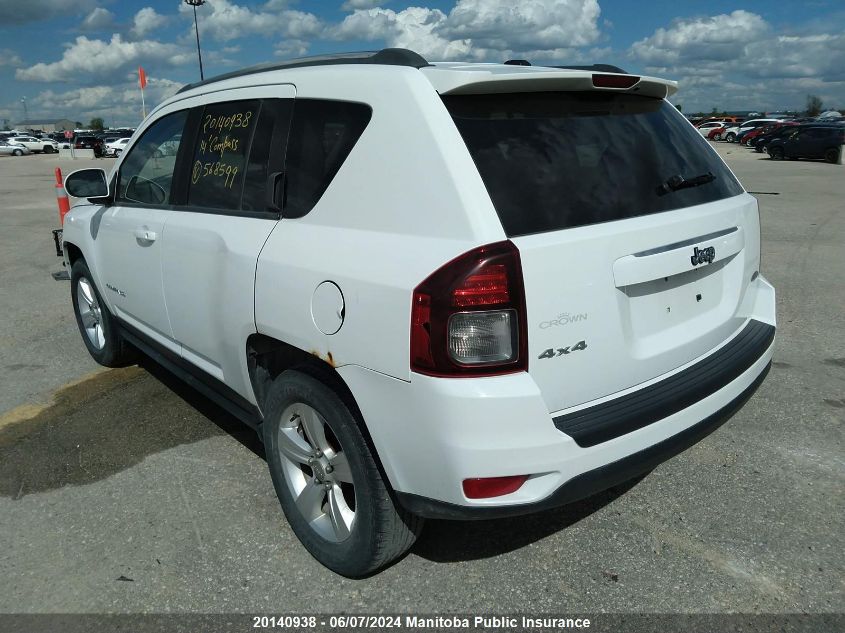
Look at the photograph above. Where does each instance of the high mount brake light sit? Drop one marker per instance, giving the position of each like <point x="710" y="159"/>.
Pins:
<point x="468" y="317"/>
<point x="614" y="81"/>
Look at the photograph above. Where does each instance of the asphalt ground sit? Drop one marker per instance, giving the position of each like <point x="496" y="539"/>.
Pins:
<point x="125" y="491"/>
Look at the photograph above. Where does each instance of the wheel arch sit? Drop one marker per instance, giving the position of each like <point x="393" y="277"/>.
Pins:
<point x="268" y="357"/>
<point x="73" y="252"/>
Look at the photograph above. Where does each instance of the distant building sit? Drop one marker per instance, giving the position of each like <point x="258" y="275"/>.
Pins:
<point x="46" y="125"/>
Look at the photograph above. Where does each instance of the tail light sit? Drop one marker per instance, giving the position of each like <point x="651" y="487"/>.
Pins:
<point x="468" y="317"/>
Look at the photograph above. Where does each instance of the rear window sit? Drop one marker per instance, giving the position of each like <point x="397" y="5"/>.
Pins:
<point x="558" y="160"/>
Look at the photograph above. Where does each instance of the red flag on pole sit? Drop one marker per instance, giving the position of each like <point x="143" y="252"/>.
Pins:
<point x="142" y="78"/>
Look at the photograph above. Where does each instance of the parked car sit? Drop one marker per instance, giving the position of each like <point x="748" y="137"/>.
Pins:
<point x="48" y="146"/>
<point x="89" y="142"/>
<point x="116" y="147"/>
<point x="543" y="315"/>
<point x="731" y="133"/>
<point x="8" y="149"/>
<point x="751" y="138"/>
<point x="716" y="133"/>
<point x="705" y="128"/>
<point x="761" y="141"/>
<point x="809" y="141"/>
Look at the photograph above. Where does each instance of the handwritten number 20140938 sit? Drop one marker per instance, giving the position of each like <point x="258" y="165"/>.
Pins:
<point x="219" y="168"/>
<point x="241" y="119"/>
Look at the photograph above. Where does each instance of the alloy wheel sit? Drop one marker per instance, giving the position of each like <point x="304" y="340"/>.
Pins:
<point x="90" y="313"/>
<point x="317" y="472"/>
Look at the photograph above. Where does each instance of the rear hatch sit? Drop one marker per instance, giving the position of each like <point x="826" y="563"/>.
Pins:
<point x="637" y="242"/>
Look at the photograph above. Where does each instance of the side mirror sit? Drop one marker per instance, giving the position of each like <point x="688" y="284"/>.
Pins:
<point x="87" y="183"/>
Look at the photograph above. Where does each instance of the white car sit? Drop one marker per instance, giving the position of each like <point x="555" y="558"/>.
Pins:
<point x="45" y="145"/>
<point x="705" y="128"/>
<point x="115" y="148"/>
<point x="732" y="132"/>
<point x="16" y="149"/>
<point x="448" y="290"/>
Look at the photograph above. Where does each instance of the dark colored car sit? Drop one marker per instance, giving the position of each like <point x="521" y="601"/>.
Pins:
<point x="759" y="142"/>
<point x="809" y="141"/>
<point x="740" y="137"/>
<point x="749" y="138"/>
<point x="89" y="142"/>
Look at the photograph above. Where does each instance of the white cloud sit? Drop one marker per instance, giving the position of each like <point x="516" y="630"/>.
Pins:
<point x="291" y="48"/>
<point x="118" y="104"/>
<point x="524" y="25"/>
<point x="88" y="59"/>
<point x="716" y="38"/>
<point x="481" y="29"/>
<point x="738" y="61"/>
<point x="98" y="20"/>
<point x="146" y="21"/>
<point x="9" y="57"/>
<point x="354" y="5"/>
<point x="23" y="11"/>
<point x="224" y="21"/>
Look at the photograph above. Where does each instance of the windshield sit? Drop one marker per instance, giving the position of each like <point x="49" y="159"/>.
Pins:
<point x="557" y="160"/>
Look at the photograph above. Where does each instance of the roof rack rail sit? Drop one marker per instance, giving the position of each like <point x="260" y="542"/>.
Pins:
<point x="602" y="68"/>
<point x="386" y="57"/>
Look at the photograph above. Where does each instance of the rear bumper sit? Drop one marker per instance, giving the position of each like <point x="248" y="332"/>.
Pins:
<point x="593" y="481"/>
<point x="432" y="433"/>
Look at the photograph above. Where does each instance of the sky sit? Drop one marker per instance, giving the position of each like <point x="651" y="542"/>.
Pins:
<point x="78" y="59"/>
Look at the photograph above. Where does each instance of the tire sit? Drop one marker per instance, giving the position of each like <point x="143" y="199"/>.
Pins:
<point x="99" y="329"/>
<point x="48" y="149"/>
<point x="718" y="137"/>
<point x="349" y="522"/>
<point x="776" y="153"/>
<point x="17" y="152"/>
<point x="731" y="137"/>
<point x="831" y="155"/>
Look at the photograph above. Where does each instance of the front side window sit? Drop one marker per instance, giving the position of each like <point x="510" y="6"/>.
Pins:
<point x="557" y="160"/>
<point x="146" y="176"/>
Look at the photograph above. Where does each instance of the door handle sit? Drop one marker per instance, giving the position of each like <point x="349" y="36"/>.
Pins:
<point x="145" y="235"/>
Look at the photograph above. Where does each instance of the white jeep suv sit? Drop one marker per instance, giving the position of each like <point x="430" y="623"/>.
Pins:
<point x="435" y="290"/>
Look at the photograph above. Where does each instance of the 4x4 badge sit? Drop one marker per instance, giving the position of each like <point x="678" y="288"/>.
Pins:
<point x="550" y="353"/>
<point x="703" y="255"/>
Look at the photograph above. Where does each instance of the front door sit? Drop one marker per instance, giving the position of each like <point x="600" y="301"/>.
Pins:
<point x="131" y="232"/>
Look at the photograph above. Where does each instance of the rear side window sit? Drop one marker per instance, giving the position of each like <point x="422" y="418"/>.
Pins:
<point x="220" y="154"/>
<point x="266" y="158"/>
<point x="558" y="160"/>
<point x="321" y="137"/>
<point x="146" y="175"/>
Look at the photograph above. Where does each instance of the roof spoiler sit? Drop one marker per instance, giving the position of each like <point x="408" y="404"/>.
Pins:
<point x="555" y="79"/>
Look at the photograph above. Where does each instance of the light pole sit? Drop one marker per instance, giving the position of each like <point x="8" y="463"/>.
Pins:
<point x="195" y="4"/>
<point x="25" y="113"/>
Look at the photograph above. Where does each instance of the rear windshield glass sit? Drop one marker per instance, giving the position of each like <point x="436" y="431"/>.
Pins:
<point x="555" y="160"/>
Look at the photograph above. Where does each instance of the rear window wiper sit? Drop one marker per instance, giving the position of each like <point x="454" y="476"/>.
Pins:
<point x="679" y="182"/>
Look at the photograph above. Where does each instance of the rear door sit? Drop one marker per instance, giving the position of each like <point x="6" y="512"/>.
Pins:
<point x="636" y="241"/>
<point x="216" y="231"/>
